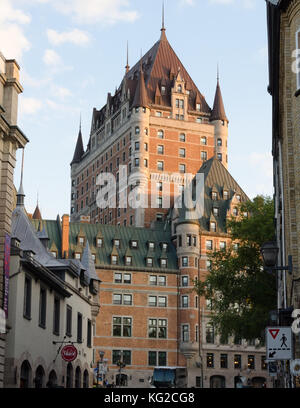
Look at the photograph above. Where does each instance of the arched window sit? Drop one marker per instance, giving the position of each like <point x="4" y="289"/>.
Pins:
<point x="78" y="377"/>
<point x="137" y="130"/>
<point x="69" y="380"/>
<point x="39" y="379"/>
<point x="52" y="382"/>
<point x="160" y="134"/>
<point x="210" y="334"/>
<point x="85" y="379"/>
<point x="25" y="374"/>
<point x="179" y="88"/>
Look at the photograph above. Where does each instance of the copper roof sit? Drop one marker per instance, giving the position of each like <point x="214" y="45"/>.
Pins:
<point x="218" y="112"/>
<point x="37" y="214"/>
<point x="140" y="97"/>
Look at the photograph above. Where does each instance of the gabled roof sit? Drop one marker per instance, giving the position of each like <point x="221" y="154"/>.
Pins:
<point x="218" y="112"/>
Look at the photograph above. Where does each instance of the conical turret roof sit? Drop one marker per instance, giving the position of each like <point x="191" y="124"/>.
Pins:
<point x="37" y="213"/>
<point x="79" y="151"/>
<point x="140" y="97"/>
<point x="218" y="112"/>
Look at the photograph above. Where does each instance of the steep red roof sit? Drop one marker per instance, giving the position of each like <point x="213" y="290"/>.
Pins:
<point x="140" y="97"/>
<point x="37" y="214"/>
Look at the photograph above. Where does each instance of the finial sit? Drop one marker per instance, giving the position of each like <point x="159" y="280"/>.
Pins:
<point x="80" y="123"/>
<point x="20" y="194"/>
<point x="163" y="16"/>
<point x="127" y="64"/>
<point x="218" y="74"/>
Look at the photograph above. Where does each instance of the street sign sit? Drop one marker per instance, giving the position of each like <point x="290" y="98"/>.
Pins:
<point x="69" y="353"/>
<point x="279" y="343"/>
<point x="272" y="368"/>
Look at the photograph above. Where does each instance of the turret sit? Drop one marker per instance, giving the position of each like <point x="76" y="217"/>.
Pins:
<point x="219" y="119"/>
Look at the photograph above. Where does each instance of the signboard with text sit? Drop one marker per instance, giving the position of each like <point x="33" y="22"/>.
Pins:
<point x="69" y="353"/>
<point x="6" y="272"/>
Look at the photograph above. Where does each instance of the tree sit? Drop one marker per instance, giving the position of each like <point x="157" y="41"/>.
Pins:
<point x="241" y="292"/>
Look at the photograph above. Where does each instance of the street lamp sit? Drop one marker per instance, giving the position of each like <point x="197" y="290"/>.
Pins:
<point x="121" y="365"/>
<point x="269" y="251"/>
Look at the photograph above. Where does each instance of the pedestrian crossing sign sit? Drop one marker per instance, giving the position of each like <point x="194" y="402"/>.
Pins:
<point x="279" y="343"/>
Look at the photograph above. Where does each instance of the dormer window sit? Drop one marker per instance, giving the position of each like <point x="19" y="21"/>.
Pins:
<point x="198" y="107"/>
<point x="238" y="197"/>
<point x="134" y="244"/>
<point x="164" y="246"/>
<point x="149" y="262"/>
<point x="216" y="211"/>
<point x="179" y="88"/>
<point x="93" y="257"/>
<point x="77" y="255"/>
<point x="163" y="263"/>
<point x="225" y="195"/>
<point x="214" y="195"/>
<point x="235" y="211"/>
<point x="81" y="240"/>
<point x="117" y="243"/>
<point x="213" y="226"/>
<point x="163" y="90"/>
<point x="128" y="260"/>
<point x="151" y="245"/>
<point x="54" y="253"/>
<point x="99" y="242"/>
<point x="114" y="260"/>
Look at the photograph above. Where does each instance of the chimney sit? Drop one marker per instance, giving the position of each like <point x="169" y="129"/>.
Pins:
<point x="65" y="235"/>
<point x="85" y="219"/>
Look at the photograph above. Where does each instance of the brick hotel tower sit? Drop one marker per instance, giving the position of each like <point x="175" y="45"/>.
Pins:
<point x="157" y="124"/>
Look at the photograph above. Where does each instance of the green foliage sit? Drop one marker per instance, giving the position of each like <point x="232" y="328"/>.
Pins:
<point x="241" y="292"/>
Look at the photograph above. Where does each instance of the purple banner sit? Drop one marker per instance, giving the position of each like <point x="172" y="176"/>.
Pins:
<point x="6" y="272"/>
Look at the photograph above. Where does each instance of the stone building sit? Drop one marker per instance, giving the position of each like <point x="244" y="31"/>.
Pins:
<point x="158" y="127"/>
<point x="284" y="86"/>
<point x="150" y="315"/>
<point x="11" y="139"/>
<point x="53" y="303"/>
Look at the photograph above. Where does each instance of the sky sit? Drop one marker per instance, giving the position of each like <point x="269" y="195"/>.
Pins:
<point x="73" y="52"/>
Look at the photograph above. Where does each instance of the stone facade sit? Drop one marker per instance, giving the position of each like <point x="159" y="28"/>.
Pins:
<point x="11" y="138"/>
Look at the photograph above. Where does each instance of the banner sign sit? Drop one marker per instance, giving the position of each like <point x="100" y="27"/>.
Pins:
<point x="6" y="272"/>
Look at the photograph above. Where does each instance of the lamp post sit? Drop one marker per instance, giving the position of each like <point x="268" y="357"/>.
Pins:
<point x="269" y="251"/>
<point x="101" y="355"/>
<point x="121" y="365"/>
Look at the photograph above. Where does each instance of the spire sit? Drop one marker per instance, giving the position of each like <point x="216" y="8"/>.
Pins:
<point x="20" y="194"/>
<point x="79" y="151"/>
<point x="127" y="63"/>
<point x="37" y="213"/>
<point x="140" y="97"/>
<point x="218" y="112"/>
<point x="163" y="28"/>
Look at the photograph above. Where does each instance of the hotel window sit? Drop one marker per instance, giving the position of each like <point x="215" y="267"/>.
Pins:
<point x="185" y="280"/>
<point x="181" y="168"/>
<point x="137" y="130"/>
<point x="81" y="241"/>
<point x="182" y="137"/>
<point x="219" y="142"/>
<point x="204" y="156"/>
<point x="208" y="265"/>
<point x="128" y="260"/>
<point x="225" y="195"/>
<point x="162" y="281"/>
<point x="196" y="333"/>
<point x="152" y="301"/>
<point x="209" y="245"/>
<point x="79" y="327"/>
<point x="184" y="261"/>
<point x="179" y="240"/>
<point x="251" y="362"/>
<point x="263" y="363"/>
<point x="122" y="326"/>
<point x="77" y="255"/>
<point x="151" y="245"/>
<point x="179" y="88"/>
<point x="237" y="361"/>
<point x="224" y="361"/>
<point x="127" y="278"/>
<point x="118" y="278"/>
<point x="159" y="202"/>
<point x="157" y="358"/>
<point x="184" y="301"/>
<point x="160" y="149"/>
<point x="149" y="262"/>
<point x="146" y="147"/>
<point x="117" y="299"/>
<point x="159" y="186"/>
<point x="153" y="280"/>
<point x="43" y="308"/>
<point x="203" y="141"/>
<point x="163" y="90"/>
<point x="214" y="195"/>
<point x="118" y="355"/>
<point x="69" y="321"/>
<point x="133" y="244"/>
<point x="137" y="146"/>
<point x="157" y="328"/>
<point x="213" y="226"/>
<point x="210" y="360"/>
<point x="181" y="152"/>
<point x="56" y="316"/>
<point x="163" y="262"/>
<point x="235" y="211"/>
<point x="159" y="114"/>
<point x="114" y="260"/>
<point x="210" y="333"/>
<point x="136" y="162"/>
<point x="222" y="245"/>
<point x="198" y="107"/>
<point x="199" y="120"/>
<point x="185" y="333"/>
<point x="219" y="156"/>
<point x="216" y="211"/>
<point x="160" y="134"/>
<point x="89" y="334"/>
<point x="164" y="246"/>
<point x="162" y="301"/>
<point x="160" y="165"/>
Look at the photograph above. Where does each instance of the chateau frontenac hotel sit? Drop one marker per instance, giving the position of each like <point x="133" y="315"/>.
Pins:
<point x="158" y="125"/>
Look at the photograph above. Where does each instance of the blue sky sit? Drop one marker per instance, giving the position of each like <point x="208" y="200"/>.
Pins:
<point x="73" y="52"/>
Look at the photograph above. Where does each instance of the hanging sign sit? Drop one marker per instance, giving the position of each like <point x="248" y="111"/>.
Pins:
<point x="69" y="353"/>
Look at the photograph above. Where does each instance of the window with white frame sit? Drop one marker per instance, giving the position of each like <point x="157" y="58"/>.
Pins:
<point x="157" y="328"/>
<point x="184" y="301"/>
<point x="185" y="333"/>
<point x="122" y="326"/>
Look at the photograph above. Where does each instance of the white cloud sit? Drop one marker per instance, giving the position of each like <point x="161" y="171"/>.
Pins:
<point x="29" y="106"/>
<point x="60" y="92"/>
<point x="52" y="58"/>
<point x="75" y="36"/>
<point x="13" y="41"/>
<point x="96" y="11"/>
